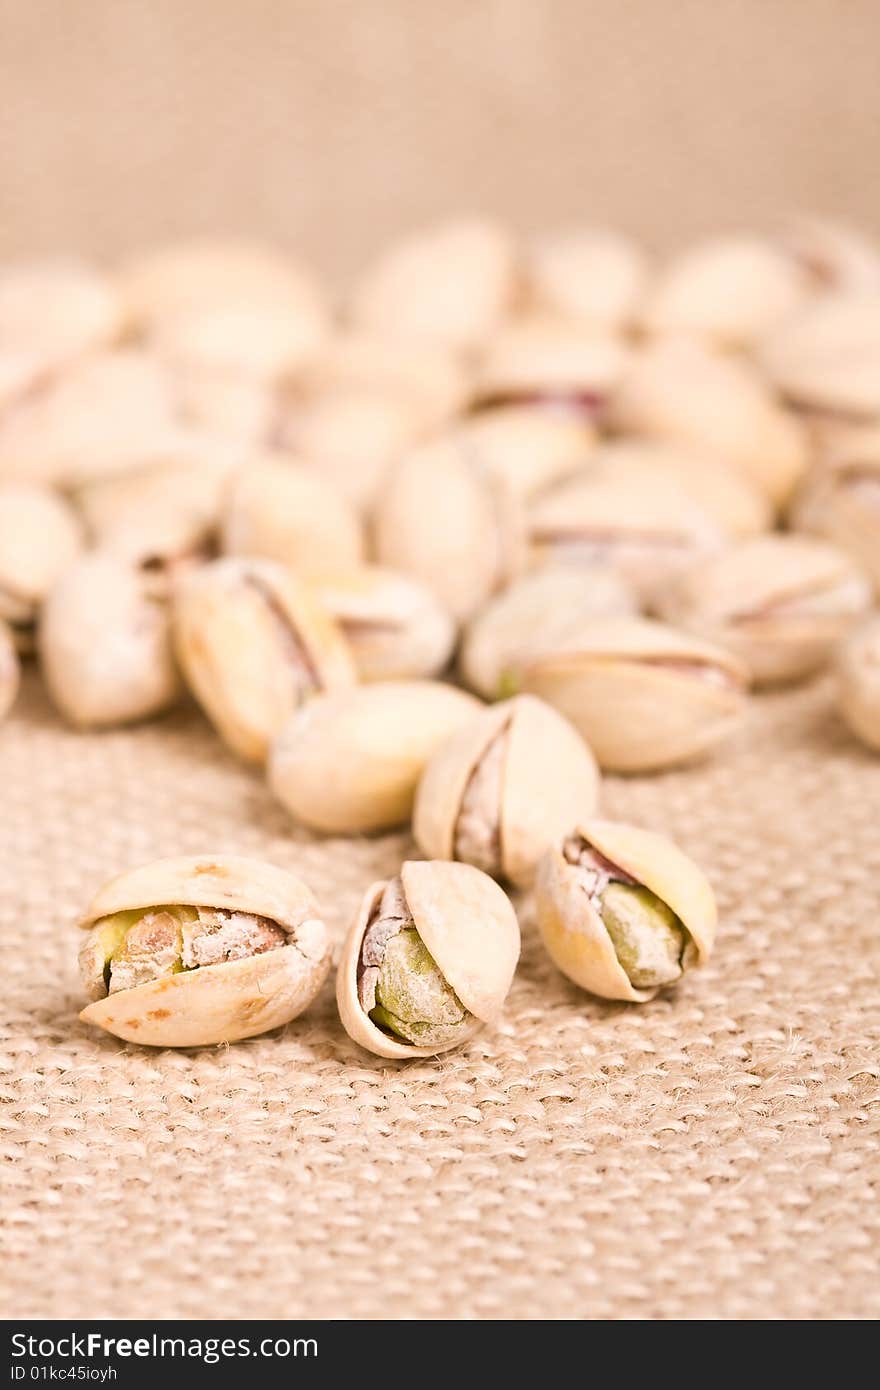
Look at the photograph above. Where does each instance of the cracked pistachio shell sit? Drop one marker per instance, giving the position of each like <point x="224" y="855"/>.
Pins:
<point x="349" y="761"/>
<point x="537" y="361"/>
<point x="591" y="276"/>
<point x="55" y="311"/>
<point x="827" y="356"/>
<point x="841" y="502"/>
<point x="469" y="928"/>
<point x="835" y="256"/>
<point x="647" y="527"/>
<point x="105" y="415"/>
<point x="643" y="695"/>
<point x="394" y="625"/>
<point x="732" y="501"/>
<point x="730" y="290"/>
<point x="533" y="615"/>
<point x="448" y="285"/>
<point x="230" y="1000"/>
<point x="9" y="670"/>
<point x="549" y="781"/>
<point x="779" y="603"/>
<point x="40" y="535"/>
<point x="105" y="646"/>
<point x="253" y="642"/>
<point x="449" y="524"/>
<point x="431" y="378"/>
<point x="280" y="511"/>
<point x="678" y="390"/>
<point x="527" y="448"/>
<point x="573" y="931"/>
<point x="858" y="670"/>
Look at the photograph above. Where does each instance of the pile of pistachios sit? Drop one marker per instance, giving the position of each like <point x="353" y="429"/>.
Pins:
<point x="504" y="514"/>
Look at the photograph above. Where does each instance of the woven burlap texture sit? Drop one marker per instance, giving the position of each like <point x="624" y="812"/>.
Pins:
<point x="712" y="1154"/>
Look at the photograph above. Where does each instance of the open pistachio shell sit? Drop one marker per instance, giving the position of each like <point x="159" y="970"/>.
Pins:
<point x="9" y="670"/>
<point x="349" y="761"/>
<point x="468" y="926"/>
<point x="254" y="643"/>
<point x="834" y="255"/>
<point x="779" y="603"/>
<point x="395" y="626"/>
<point x="222" y="1002"/>
<point x="643" y="695"/>
<point x="572" y="928"/>
<point x="589" y="275"/>
<point x="858" y="670"/>
<point x="546" y="780"/>
<point x="841" y="502"/>
<point x="40" y="535"/>
<point x="551" y="363"/>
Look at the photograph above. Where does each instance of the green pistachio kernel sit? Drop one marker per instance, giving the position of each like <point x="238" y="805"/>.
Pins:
<point x="413" y="1000"/>
<point x="509" y="684"/>
<point x="648" y="938"/>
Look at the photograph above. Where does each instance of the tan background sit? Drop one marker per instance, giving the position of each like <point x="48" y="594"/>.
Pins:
<point x="714" y="1154"/>
<point x="331" y="123"/>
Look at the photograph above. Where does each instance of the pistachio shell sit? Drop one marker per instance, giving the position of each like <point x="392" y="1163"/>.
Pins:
<point x="394" y="625"/>
<point x="588" y="275"/>
<point x="450" y="525"/>
<point x="470" y="929"/>
<point x="778" y="603"/>
<point x="228" y="1001"/>
<point x="643" y="695"/>
<point x="54" y="312"/>
<point x="40" y="536"/>
<point x="282" y="512"/>
<point x="233" y="407"/>
<point x="539" y="361"/>
<point x="253" y="642"/>
<point x="549" y="781"/>
<point x="526" y="447"/>
<point x="349" y="761"/>
<point x="834" y="255"/>
<point x="730" y="290"/>
<point x="828" y="355"/>
<point x="432" y="378"/>
<point x="841" y="502"/>
<point x="105" y="645"/>
<point x="9" y="670"/>
<point x="573" y="931"/>
<point x="859" y="683"/>
<point x="448" y="285"/>
<point x="533" y="615"/>
<point x="257" y="340"/>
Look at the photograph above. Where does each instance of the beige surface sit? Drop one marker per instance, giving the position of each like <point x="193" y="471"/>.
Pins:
<point x="714" y="1153"/>
<point x="331" y="124"/>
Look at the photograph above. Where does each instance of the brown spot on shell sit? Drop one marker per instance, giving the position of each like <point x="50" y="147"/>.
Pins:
<point x="217" y="870"/>
<point x="131" y="1022"/>
<point x="159" y="1013"/>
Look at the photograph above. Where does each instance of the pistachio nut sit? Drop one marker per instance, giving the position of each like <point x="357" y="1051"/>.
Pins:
<point x="623" y="911"/>
<point x="431" y="378"/>
<point x="528" y="449"/>
<point x="778" y="603"/>
<point x="230" y="406"/>
<point x="196" y="951"/>
<point x="591" y="276"/>
<point x="449" y="523"/>
<point x="102" y="416"/>
<point x="730" y="290"/>
<point x="647" y="527"/>
<point x="428" y="961"/>
<point x="254" y="339"/>
<point x="280" y="511"/>
<point x="395" y="626"/>
<point x="9" y="670"/>
<point x="503" y="788"/>
<point x="52" y="313"/>
<point x="643" y="695"/>
<point x="537" y="612"/>
<point x="827" y="356"/>
<point x="104" y="644"/>
<point x="841" y="502"/>
<point x="40" y="535"/>
<point x="835" y="256"/>
<point x="448" y="285"/>
<point x="858" y="671"/>
<point x="550" y="364"/>
<point x="678" y="390"/>
<point x="349" y="761"/>
<point x="253" y="644"/>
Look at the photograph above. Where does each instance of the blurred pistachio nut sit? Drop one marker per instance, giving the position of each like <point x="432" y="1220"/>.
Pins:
<point x="242" y="338"/>
<point x="40" y="535"/>
<point x="779" y="603"/>
<point x="9" y="670"/>
<point x="623" y="911"/>
<point x="533" y="615"/>
<point x="197" y="951"/>
<point x="678" y="390"/>
<point x="430" y="378"/>
<point x="528" y="449"/>
<point x="235" y="408"/>
<point x="349" y="762"/>
<point x="428" y="961"/>
<point x="827" y="356"/>
<point x="503" y="788"/>
<point x="834" y="255"/>
<point x="55" y="311"/>
<point x="644" y="696"/>
<point x="280" y="511"/>
<point x="550" y="364"/>
<point x="587" y="275"/>
<point x="104" y="644"/>
<point x="450" y="524"/>
<point x="448" y="285"/>
<point x="858" y="669"/>
<point x="394" y="625"/>
<point x="841" y="502"/>
<point x="253" y="644"/>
